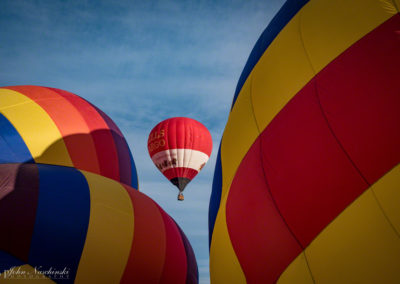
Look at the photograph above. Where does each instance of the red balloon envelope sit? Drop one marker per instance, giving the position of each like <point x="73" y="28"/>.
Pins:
<point x="180" y="147"/>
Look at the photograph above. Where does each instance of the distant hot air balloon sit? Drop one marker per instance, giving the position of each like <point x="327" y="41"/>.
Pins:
<point x="180" y="147"/>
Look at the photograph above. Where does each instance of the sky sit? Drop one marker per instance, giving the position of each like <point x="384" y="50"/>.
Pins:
<point x="141" y="62"/>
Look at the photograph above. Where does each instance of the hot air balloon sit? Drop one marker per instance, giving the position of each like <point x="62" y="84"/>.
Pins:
<point x="307" y="183"/>
<point x="70" y="211"/>
<point x="180" y="147"/>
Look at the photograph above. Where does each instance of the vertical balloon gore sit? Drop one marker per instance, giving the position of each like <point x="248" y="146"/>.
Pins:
<point x="180" y="147"/>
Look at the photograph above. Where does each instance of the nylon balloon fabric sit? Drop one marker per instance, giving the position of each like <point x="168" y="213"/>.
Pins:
<point x="53" y="126"/>
<point x="70" y="211"/>
<point x="307" y="182"/>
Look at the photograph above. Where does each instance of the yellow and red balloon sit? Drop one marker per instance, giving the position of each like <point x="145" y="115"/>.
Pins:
<point x="307" y="183"/>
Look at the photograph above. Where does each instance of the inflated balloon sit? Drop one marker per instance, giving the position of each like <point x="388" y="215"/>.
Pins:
<point x="56" y="127"/>
<point x="69" y="210"/>
<point x="307" y="183"/>
<point x="180" y="147"/>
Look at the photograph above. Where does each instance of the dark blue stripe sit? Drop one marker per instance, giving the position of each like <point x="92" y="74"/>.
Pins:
<point x="285" y="14"/>
<point x="12" y="148"/>
<point x="62" y="219"/>
<point x="215" y="198"/>
<point x="192" y="270"/>
<point x="134" y="182"/>
<point x="8" y="261"/>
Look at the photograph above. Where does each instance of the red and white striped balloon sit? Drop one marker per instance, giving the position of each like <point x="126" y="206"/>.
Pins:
<point x="180" y="147"/>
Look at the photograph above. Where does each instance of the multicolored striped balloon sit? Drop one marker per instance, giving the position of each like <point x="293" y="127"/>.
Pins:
<point x="68" y="211"/>
<point x="180" y="147"/>
<point x="52" y="126"/>
<point x="307" y="182"/>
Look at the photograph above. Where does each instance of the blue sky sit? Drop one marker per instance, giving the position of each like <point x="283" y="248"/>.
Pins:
<point x="141" y="62"/>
